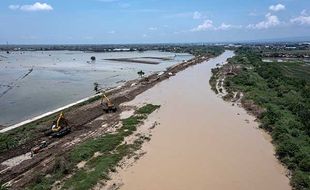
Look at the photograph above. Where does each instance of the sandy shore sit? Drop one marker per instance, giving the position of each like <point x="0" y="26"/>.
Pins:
<point x="202" y="142"/>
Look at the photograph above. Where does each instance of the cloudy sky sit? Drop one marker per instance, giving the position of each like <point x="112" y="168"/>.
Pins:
<point x="150" y="21"/>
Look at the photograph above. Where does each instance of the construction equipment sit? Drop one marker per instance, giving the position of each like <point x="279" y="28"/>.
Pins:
<point x="60" y="127"/>
<point x="108" y="107"/>
<point x="39" y="148"/>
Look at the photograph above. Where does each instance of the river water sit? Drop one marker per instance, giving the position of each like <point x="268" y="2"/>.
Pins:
<point x="62" y="77"/>
<point x="202" y="142"/>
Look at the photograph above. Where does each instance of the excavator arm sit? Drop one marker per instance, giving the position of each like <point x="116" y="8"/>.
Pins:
<point x="108" y="101"/>
<point x="109" y="106"/>
<point x="60" y="127"/>
<point x="57" y="127"/>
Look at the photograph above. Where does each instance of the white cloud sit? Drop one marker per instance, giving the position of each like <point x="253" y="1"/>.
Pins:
<point x="197" y="15"/>
<point x="278" y="7"/>
<point x="107" y="1"/>
<point x="206" y="25"/>
<point x="111" y="32"/>
<point x="270" y="21"/>
<point x="302" y="19"/>
<point x="14" y="7"/>
<point x="224" y="26"/>
<point x="34" y="7"/>
<point x="153" y="28"/>
<point x="304" y="12"/>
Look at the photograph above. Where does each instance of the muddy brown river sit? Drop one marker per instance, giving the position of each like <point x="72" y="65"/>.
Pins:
<point x="202" y="142"/>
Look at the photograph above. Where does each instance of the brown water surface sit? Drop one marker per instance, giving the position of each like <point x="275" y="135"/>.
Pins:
<point x="202" y="142"/>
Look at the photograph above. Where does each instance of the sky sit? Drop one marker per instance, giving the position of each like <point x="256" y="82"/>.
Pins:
<point x="151" y="21"/>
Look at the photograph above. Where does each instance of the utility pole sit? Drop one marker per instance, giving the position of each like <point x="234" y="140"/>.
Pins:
<point x="7" y="47"/>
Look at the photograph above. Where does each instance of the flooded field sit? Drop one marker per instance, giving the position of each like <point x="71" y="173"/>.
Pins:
<point x="201" y="141"/>
<point x="279" y="59"/>
<point x="34" y="82"/>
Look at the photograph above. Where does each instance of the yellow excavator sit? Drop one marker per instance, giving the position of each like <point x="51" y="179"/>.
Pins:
<point x="60" y="127"/>
<point x="108" y="106"/>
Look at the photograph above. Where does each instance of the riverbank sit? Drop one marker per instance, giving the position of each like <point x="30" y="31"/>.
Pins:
<point x="201" y="141"/>
<point x="277" y="94"/>
<point x="87" y="121"/>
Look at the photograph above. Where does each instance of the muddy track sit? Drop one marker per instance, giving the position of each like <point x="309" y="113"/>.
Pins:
<point x="87" y="121"/>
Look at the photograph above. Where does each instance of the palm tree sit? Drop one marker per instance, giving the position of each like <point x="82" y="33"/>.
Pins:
<point x="141" y="73"/>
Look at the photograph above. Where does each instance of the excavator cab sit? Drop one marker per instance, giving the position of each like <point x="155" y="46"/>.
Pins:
<point x="60" y="127"/>
<point x="108" y="106"/>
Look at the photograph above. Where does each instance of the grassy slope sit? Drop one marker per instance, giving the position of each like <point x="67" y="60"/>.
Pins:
<point x="18" y="136"/>
<point x="283" y="89"/>
<point x="97" y="168"/>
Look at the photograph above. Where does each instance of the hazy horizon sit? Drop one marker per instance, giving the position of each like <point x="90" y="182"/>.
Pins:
<point x="151" y="21"/>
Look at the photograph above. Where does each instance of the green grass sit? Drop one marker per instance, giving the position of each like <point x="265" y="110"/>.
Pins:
<point x="19" y="136"/>
<point x="298" y="70"/>
<point x="97" y="169"/>
<point x="147" y="109"/>
<point x="110" y="146"/>
<point x="16" y="137"/>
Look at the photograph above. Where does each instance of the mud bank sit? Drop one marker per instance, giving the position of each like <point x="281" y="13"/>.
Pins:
<point x="202" y="142"/>
<point x="133" y="61"/>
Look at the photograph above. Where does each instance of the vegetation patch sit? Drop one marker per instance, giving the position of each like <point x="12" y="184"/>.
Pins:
<point x="283" y="91"/>
<point x="19" y="136"/>
<point x="213" y="79"/>
<point x="112" y="150"/>
<point x="147" y="109"/>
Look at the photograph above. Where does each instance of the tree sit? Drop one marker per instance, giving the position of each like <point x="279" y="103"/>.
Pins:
<point x="141" y="73"/>
<point x="96" y="87"/>
<point x="300" y="180"/>
<point x="305" y="164"/>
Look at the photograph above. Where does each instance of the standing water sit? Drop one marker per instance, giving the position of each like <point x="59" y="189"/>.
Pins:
<point x="202" y="142"/>
<point x="35" y="82"/>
